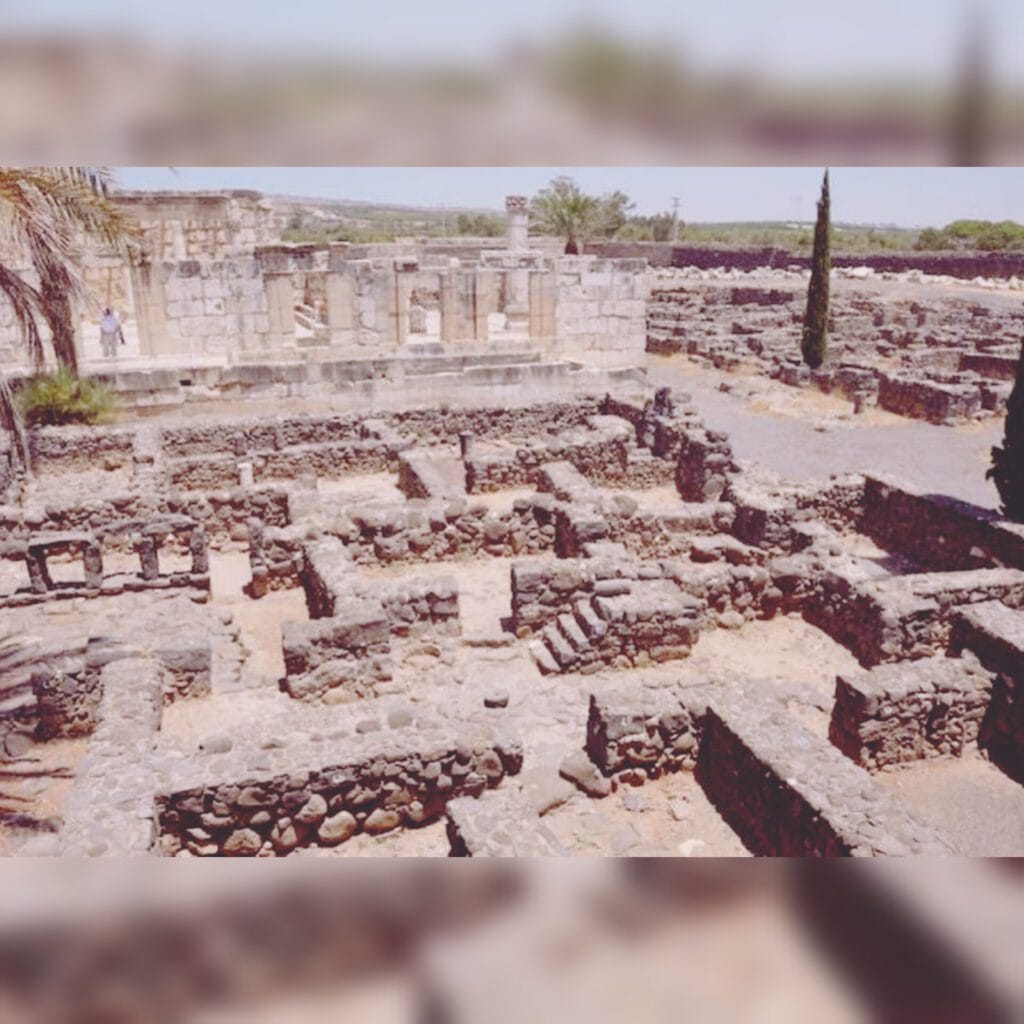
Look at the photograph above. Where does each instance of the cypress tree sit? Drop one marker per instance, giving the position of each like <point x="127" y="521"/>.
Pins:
<point x="1007" y="468"/>
<point x="814" y="341"/>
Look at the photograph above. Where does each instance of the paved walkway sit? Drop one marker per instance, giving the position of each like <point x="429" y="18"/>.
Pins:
<point x="942" y="460"/>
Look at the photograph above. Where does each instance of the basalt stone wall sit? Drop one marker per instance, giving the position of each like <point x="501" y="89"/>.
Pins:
<point x="68" y="696"/>
<point x="776" y="517"/>
<point x="203" y="473"/>
<point x="69" y="691"/>
<point x="929" y="400"/>
<point x="110" y="808"/>
<point x="412" y="606"/>
<point x="223" y="515"/>
<point x="667" y="534"/>
<point x="903" y="617"/>
<point x="650" y="734"/>
<point x="995" y="634"/>
<point x="786" y="793"/>
<point x="962" y="265"/>
<point x="64" y="448"/>
<point x="275" y="557"/>
<point x="328" y="461"/>
<point x="344" y="657"/>
<point x="325" y="574"/>
<point x="656" y="621"/>
<point x="7" y="472"/>
<point x="902" y="713"/>
<point x="439" y="531"/>
<point x="938" y="532"/>
<point x="417" y="606"/>
<point x="542" y="592"/>
<point x="405" y="784"/>
<point x="990" y="365"/>
<point x="704" y="465"/>
<point x="428" y="425"/>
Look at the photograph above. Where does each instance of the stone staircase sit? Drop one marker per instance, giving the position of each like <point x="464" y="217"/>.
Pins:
<point x="559" y="646"/>
<point x="650" y="618"/>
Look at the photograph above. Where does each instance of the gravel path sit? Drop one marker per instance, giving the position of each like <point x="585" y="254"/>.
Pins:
<point x="942" y="460"/>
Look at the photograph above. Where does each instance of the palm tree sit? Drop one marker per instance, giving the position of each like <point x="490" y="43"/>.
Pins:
<point x="562" y="209"/>
<point x="47" y="213"/>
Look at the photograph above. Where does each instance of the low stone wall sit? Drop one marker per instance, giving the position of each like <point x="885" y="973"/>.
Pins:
<point x="430" y="475"/>
<point x="989" y="365"/>
<point x="995" y="635"/>
<point x="704" y="465"/>
<point x="415" y="606"/>
<point x="427" y="425"/>
<point x="903" y="713"/>
<point x="929" y="400"/>
<point x="275" y="557"/>
<point x="223" y="514"/>
<point x="203" y="473"/>
<point x="344" y="657"/>
<point x="787" y="794"/>
<point x="438" y="531"/>
<point x="645" y="733"/>
<point x="938" y="532"/>
<point x="109" y="811"/>
<point x="412" y="605"/>
<point x="666" y="254"/>
<point x="77" y="448"/>
<point x="664" y="534"/>
<point x="69" y="691"/>
<point x="625" y="624"/>
<point x="329" y="461"/>
<point x="235" y="813"/>
<point x="902" y="617"/>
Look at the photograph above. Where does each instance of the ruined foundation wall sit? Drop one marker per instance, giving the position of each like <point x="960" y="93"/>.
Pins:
<point x="407" y="783"/>
<point x="938" y="532"/>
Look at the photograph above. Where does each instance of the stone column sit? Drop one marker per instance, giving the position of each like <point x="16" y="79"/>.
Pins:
<point x="280" y="312"/>
<point x="516" y="209"/>
<point x="486" y="302"/>
<point x="517" y="302"/>
<point x="92" y="562"/>
<point x="198" y="550"/>
<point x="405" y="279"/>
<point x="339" y="286"/>
<point x="147" y="548"/>
<point x="542" y="304"/>
<point x="38" y="574"/>
<point x="150" y="301"/>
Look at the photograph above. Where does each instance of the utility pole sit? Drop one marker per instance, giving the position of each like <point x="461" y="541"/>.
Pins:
<point x="675" y="218"/>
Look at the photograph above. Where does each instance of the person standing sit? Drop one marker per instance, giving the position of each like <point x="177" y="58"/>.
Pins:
<point x="111" y="332"/>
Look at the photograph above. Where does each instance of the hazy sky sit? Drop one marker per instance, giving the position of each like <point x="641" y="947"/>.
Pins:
<point x="907" y="196"/>
<point x="788" y="37"/>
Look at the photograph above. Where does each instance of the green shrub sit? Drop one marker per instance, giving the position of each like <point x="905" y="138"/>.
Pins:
<point x="63" y="397"/>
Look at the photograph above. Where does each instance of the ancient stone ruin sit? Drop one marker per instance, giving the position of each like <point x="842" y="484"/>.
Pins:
<point x="469" y="625"/>
<point x="437" y="564"/>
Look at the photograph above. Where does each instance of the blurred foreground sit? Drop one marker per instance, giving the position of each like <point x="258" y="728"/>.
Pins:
<point x="648" y="940"/>
<point x="930" y="84"/>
